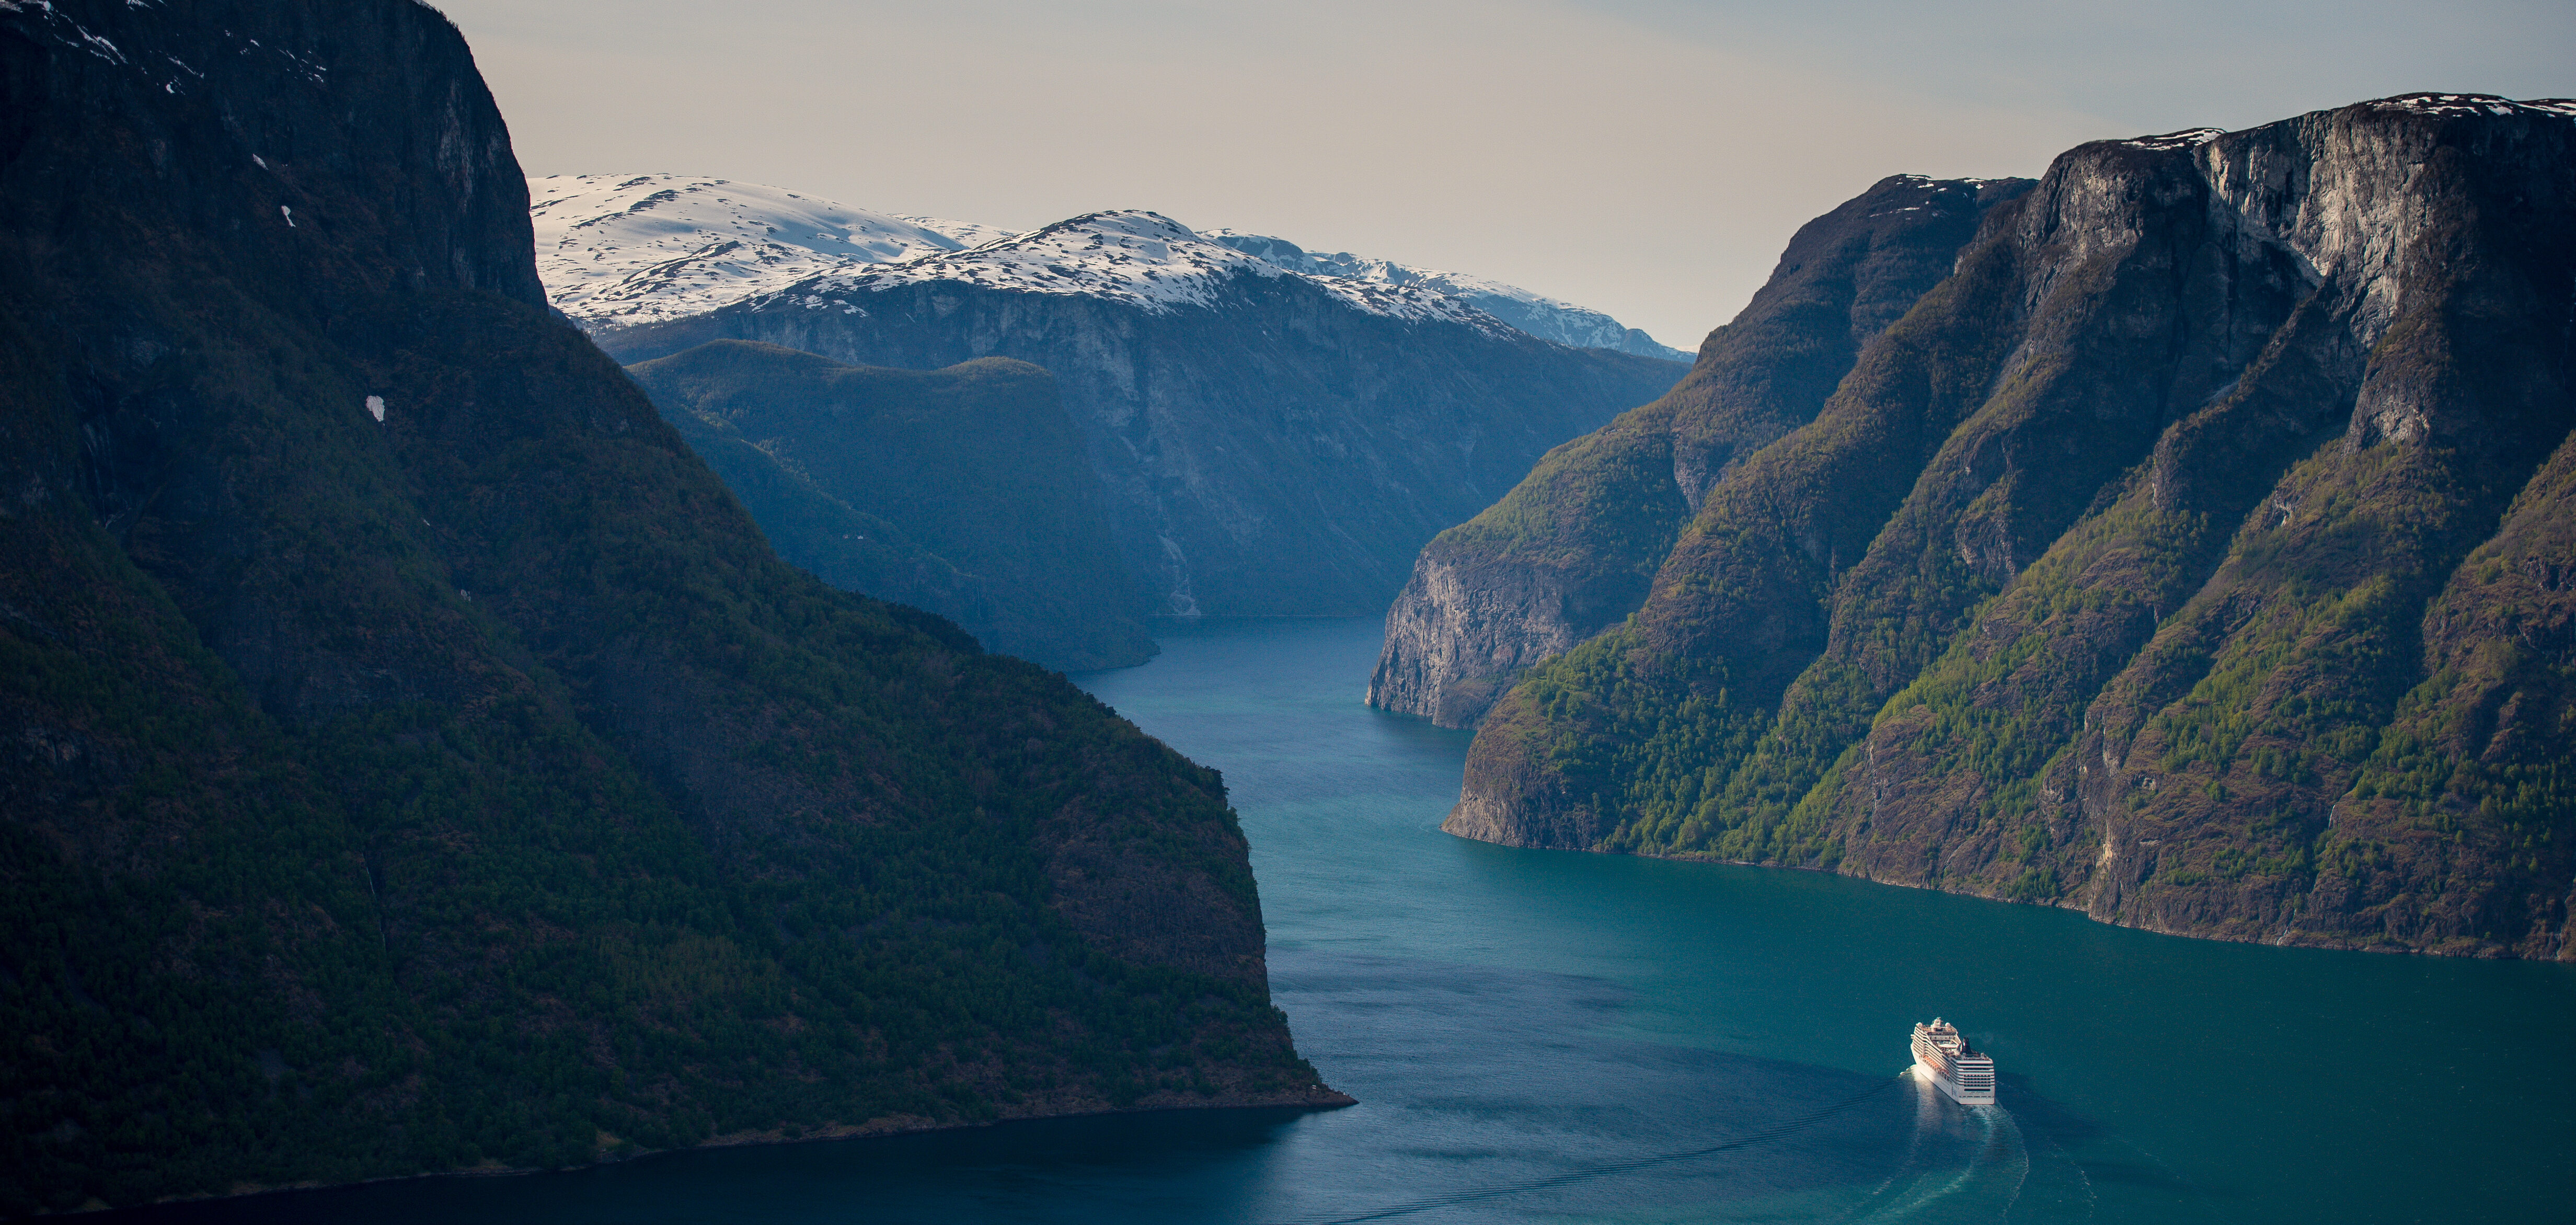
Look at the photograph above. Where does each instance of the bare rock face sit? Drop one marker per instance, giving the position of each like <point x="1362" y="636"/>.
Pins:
<point x="1478" y="612"/>
<point x="2181" y="557"/>
<point x="1568" y="552"/>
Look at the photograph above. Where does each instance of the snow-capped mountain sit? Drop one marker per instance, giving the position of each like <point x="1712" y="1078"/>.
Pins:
<point x="619" y="250"/>
<point x="1270" y="441"/>
<point x="1125" y="256"/>
<point x="1537" y="314"/>
<point x="1273" y="436"/>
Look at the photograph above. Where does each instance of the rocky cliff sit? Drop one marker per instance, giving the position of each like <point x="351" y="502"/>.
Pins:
<point x="413" y="759"/>
<point x="962" y="491"/>
<point x="1270" y="443"/>
<point x="2184" y="556"/>
<point x="1568" y="552"/>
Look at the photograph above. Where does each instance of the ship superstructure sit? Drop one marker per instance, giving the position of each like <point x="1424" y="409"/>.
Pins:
<point x="1942" y="1053"/>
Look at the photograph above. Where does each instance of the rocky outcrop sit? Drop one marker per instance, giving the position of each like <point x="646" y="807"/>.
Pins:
<point x="2133" y="570"/>
<point x="1269" y="443"/>
<point x="413" y="759"/>
<point x="1568" y="552"/>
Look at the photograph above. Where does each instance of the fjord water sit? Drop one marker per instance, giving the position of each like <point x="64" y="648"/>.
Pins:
<point x="1548" y="1036"/>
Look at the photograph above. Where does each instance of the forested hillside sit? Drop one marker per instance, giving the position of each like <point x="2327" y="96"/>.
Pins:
<point x="2190" y="555"/>
<point x="963" y="491"/>
<point x="416" y="760"/>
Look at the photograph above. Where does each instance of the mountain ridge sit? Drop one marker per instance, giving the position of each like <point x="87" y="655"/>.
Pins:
<point x="2126" y="572"/>
<point x="1571" y="549"/>
<point x="1270" y="443"/>
<point x="1537" y="314"/>
<point x="623" y="250"/>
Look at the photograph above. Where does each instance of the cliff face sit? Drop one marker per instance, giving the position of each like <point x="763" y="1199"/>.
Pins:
<point x="1268" y="446"/>
<point x="2181" y="557"/>
<point x="962" y="491"/>
<point x="1569" y="551"/>
<point x="412" y="758"/>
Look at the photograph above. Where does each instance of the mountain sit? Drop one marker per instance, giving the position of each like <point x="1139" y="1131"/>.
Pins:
<point x="1539" y="315"/>
<point x="618" y="250"/>
<point x="411" y="756"/>
<point x="1569" y="551"/>
<point x="2192" y="554"/>
<point x="1270" y="443"/>
<point x="962" y="491"/>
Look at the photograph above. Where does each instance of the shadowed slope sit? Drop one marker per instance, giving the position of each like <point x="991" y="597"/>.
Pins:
<point x="415" y="758"/>
<point x="963" y="491"/>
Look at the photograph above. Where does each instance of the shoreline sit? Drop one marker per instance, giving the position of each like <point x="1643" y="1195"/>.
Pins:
<point x="1322" y="1098"/>
<point x="2284" y="939"/>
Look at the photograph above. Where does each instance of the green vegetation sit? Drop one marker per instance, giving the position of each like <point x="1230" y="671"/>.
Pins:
<point x="1590" y="526"/>
<point x="473" y="787"/>
<point x="2243" y="669"/>
<point x="963" y="491"/>
<point x="430" y="935"/>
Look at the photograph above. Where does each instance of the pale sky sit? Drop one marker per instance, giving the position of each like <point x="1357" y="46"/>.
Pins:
<point x="1648" y="158"/>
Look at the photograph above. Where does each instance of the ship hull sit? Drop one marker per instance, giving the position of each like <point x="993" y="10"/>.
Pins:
<point x="1964" y="1097"/>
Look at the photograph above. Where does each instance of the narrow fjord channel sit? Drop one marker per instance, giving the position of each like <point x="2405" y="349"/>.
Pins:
<point x="1542" y="1036"/>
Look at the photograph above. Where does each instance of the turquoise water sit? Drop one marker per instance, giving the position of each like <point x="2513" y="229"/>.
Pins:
<point x="1544" y="1036"/>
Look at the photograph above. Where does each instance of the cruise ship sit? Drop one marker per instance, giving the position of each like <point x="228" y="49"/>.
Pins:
<point x="1942" y="1053"/>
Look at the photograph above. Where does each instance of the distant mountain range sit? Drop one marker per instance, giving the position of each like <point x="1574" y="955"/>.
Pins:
<point x="620" y="250"/>
<point x="2185" y="538"/>
<point x="1270" y="442"/>
<point x="1540" y="316"/>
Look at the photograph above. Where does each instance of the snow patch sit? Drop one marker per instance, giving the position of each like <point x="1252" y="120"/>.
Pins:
<point x="621" y="250"/>
<point x="376" y="407"/>
<point x="617" y="250"/>
<point x="1537" y="314"/>
<point x="2188" y="138"/>
<point x="287" y="213"/>
<point x="972" y="234"/>
<point x="1129" y="256"/>
<point x="2465" y="105"/>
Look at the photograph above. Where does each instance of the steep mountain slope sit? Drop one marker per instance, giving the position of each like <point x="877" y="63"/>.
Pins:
<point x="2184" y="556"/>
<point x="1568" y="552"/>
<point x="963" y="491"/>
<point x="1537" y="314"/>
<point x="1271" y="443"/>
<point x="618" y="250"/>
<point x="414" y="758"/>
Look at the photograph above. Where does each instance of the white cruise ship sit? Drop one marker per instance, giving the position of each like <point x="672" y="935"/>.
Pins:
<point x="1942" y="1053"/>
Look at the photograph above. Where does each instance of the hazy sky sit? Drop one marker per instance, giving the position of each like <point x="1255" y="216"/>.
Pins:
<point x="1645" y="157"/>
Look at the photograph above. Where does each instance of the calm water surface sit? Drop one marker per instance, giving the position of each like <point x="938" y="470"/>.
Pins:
<point x="1545" y="1036"/>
